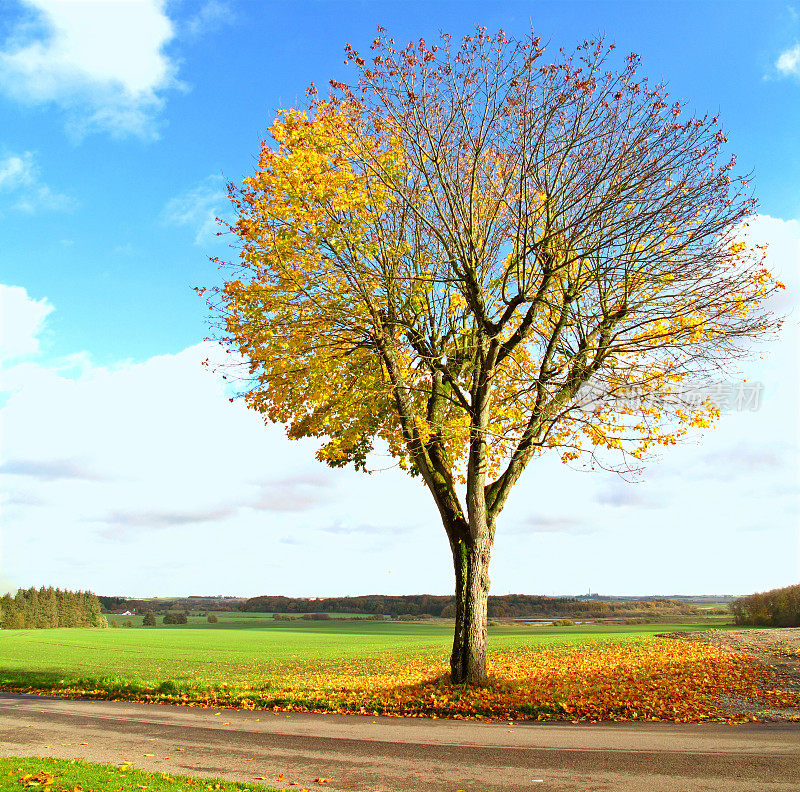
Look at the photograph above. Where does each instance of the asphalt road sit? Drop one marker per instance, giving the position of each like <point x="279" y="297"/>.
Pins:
<point x="405" y="754"/>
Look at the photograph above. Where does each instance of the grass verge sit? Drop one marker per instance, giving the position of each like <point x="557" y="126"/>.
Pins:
<point x="28" y="774"/>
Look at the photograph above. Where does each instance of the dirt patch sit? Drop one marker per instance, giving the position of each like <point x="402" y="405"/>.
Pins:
<point x="777" y="650"/>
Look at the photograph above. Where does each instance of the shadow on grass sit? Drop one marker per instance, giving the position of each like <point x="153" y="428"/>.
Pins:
<point x="54" y="680"/>
<point x="35" y="679"/>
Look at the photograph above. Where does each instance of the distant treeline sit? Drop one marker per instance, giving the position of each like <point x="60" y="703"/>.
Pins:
<point x="112" y="603"/>
<point x="48" y="607"/>
<point x="776" y="608"/>
<point x="503" y="606"/>
<point x="508" y="606"/>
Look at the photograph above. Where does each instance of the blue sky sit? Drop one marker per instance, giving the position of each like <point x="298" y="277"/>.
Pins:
<point x="121" y="123"/>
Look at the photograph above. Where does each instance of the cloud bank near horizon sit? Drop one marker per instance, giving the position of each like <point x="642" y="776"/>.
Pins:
<point x="141" y="478"/>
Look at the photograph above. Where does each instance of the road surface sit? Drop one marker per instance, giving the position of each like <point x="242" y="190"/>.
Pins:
<point x="364" y="753"/>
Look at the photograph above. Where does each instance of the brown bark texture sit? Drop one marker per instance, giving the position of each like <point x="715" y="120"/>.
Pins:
<point x="468" y="658"/>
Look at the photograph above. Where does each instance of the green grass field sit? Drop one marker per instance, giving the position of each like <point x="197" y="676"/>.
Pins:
<point x="250" y="650"/>
<point x="589" y="671"/>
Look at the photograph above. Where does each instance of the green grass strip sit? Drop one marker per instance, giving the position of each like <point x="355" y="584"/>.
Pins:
<point x="36" y="774"/>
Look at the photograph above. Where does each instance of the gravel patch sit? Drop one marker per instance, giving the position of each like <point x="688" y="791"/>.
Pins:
<point x="777" y="648"/>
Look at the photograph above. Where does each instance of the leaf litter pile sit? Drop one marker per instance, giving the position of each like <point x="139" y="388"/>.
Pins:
<point x="641" y="679"/>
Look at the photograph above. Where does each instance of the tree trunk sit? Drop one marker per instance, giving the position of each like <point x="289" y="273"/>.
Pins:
<point x="471" y="563"/>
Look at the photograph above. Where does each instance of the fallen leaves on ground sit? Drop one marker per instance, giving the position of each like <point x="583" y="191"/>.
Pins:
<point x="641" y="679"/>
<point x="638" y="680"/>
<point x="40" y="779"/>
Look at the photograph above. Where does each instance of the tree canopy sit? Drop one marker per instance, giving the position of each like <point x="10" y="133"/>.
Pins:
<point x="472" y="255"/>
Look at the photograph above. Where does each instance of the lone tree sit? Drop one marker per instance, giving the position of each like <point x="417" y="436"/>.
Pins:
<point x="472" y="256"/>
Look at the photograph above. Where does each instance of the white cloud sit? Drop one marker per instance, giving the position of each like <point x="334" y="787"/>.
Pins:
<point x="20" y="179"/>
<point x="563" y="526"/>
<point x="21" y="322"/>
<point x="211" y="16"/>
<point x="102" y="62"/>
<point x="48" y="470"/>
<point x="625" y="494"/>
<point x="345" y="526"/>
<point x="198" y="208"/>
<point x="153" y="461"/>
<point x="788" y="63"/>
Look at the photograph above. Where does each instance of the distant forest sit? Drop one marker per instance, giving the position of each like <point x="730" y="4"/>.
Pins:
<point x="48" y="607"/>
<point x="775" y="608"/>
<point x="509" y="606"/>
<point x="503" y="606"/>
